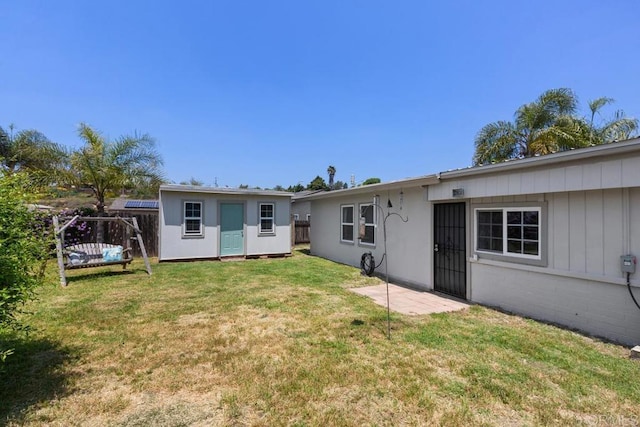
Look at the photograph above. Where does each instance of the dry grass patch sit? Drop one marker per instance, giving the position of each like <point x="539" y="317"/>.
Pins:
<point x="282" y="342"/>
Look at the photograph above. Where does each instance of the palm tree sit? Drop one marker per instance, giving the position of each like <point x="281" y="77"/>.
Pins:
<point x="32" y="152"/>
<point x="331" y="170"/>
<point x="616" y="129"/>
<point x="544" y="126"/>
<point x="112" y="166"/>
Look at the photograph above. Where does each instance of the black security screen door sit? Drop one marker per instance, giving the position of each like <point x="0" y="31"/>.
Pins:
<point x="449" y="251"/>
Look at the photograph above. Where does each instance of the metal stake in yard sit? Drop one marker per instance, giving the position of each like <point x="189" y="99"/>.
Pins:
<point x="386" y="261"/>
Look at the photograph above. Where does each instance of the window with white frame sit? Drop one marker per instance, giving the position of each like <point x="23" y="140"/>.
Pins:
<point x="308" y="217"/>
<point x="367" y="224"/>
<point x="346" y="223"/>
<point x="512" y="232"/>
<point x="192" y="219"/>
<point x="296" y="217"/>
<point x="267" y="216"/>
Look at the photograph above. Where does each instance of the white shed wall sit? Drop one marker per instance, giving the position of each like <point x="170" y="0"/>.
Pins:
<point x="280" y="243"/>
<point x="173" y="246"/>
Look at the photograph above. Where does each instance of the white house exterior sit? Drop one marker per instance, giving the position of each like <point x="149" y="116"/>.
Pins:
<point x="540" y="236"/>
<point x="203" y="222"/>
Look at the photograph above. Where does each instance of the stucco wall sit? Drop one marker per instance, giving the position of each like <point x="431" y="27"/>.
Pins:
<point x="408" y="244"/>
<point x="599" y="308"/>
<point x="173" y="245"/>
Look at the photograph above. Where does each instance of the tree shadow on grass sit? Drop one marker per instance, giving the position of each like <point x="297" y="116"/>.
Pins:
<point x="80" y="277"/>
<point x="34" y="374"/>
<point x="303" y="250"/>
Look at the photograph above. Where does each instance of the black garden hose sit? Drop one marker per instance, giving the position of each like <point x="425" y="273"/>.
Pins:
<point x="368" y="263"/>
<point x="631" y="293"/>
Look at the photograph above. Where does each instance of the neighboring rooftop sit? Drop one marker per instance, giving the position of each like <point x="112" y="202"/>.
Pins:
<point x="123" y="204"/>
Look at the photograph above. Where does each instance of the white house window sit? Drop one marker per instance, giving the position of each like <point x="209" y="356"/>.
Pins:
<point x="296" y="217"/>
<point x="267" y="218"/>
<point x="346" y="223"/>
<point x="367" y="224"/>
<point x="193" y="218"/>
<point x="509" y="231"/>
<point x="308" y="217"/>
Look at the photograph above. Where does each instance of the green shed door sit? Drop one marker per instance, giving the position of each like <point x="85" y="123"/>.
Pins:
<point x="231" y="229"/>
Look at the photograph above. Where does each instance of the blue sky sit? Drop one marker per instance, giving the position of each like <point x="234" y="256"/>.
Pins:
<point x="273" y="92"/>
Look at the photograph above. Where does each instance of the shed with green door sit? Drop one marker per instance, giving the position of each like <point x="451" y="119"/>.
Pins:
<point x="211" y="223"/>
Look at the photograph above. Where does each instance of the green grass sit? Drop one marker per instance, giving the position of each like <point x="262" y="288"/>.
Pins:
<point x="283" y="342"/>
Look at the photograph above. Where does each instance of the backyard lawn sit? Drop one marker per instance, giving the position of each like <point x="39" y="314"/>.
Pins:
<point x="283" y="342"/>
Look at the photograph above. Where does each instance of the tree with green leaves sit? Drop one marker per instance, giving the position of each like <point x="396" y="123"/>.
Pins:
<point x="296" y="188"/>
<point x="317" y="183"/>
<point x="331" y="170"/>
<point x="547" y="125"/>
<point x="24" y="250"/>
<point x="32" y="152"/>
<point x="129" y="162"/>
<point x="370" y="181"/>
<point x="618" y="128"/>
<point x="193" y="181"/>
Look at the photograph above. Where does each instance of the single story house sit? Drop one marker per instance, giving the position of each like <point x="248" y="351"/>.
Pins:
<point x="204" y="222"/>
<point x="540" y="236"/>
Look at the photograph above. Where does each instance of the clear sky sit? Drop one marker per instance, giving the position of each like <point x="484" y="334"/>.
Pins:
<point x="273" y="92"/>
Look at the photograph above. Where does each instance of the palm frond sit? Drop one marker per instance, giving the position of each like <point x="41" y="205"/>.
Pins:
<point x="495" y="142"/>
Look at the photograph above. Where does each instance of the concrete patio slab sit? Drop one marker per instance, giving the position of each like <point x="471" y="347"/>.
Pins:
<point x="410" y="301"/>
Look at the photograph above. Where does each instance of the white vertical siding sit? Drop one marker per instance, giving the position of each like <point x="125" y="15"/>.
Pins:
<point x="577" y="232"/>
<point x="594" y="232"/>
<point x="612" y="225"/>
<point x="589" y="174"/>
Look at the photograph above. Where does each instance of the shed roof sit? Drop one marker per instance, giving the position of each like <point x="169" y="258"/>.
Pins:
<point x="217" y="190"/>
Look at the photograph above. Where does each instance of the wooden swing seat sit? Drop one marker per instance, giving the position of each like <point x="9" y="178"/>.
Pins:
<point x="85" y="255"/>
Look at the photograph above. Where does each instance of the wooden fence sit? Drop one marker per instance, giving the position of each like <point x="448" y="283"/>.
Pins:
<point x="300" y="232"/>
<point x="113" y="232"/>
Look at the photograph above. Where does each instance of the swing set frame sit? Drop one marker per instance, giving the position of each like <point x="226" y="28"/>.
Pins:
<point x="92" y="253"/>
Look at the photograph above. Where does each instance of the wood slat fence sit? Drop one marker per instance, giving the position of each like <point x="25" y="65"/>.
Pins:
<point x="113" y="232"/>
<point x="300" y="232"/>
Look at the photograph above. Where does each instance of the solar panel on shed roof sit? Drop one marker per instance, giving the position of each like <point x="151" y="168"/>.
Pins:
<point x="141" y="204"/>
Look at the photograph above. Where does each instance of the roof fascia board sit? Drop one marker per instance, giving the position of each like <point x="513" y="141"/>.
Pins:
<point x="610" y="149"/>
<point x="422" y="181"/>
<point x="213" y="190"/>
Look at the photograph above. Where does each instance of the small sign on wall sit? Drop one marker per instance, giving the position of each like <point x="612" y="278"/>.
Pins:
<point x="457" y="192"/>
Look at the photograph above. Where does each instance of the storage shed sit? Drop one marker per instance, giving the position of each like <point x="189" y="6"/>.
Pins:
<point x="206" y="222"/>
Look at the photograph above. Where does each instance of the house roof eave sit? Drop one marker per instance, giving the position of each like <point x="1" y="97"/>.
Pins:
<point x="421" y="181"/>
